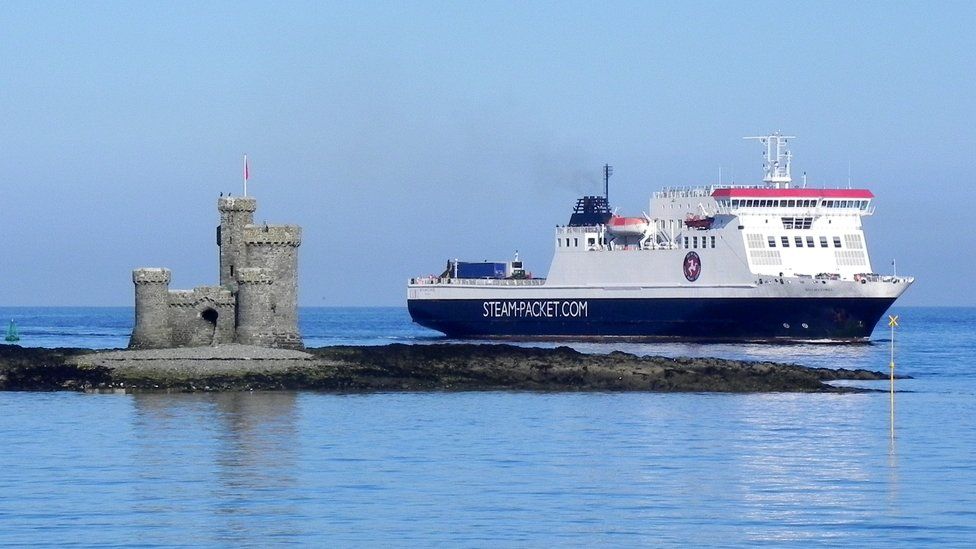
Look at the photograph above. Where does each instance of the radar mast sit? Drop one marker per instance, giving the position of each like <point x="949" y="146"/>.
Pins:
<point x="776" y="159"/>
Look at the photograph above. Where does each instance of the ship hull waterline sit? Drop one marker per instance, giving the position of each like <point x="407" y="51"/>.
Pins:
<point x="835" y="319"/>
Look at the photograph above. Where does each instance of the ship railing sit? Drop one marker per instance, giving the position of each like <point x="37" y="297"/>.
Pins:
<point x="566" y="229"/>
<point x="875" y="277"/>
<point x="811" y="212"/>
<point x="445" y="281"/>
<point x="686" y="192"/>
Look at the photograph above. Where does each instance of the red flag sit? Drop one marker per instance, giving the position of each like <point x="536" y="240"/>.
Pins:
<point x="246" y="173"/>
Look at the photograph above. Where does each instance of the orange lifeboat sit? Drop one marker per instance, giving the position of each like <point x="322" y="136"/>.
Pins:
<point x="627" y="226"/>
<point x="699" y="222"/>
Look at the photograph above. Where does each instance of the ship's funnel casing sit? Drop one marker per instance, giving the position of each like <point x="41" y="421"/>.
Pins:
<point x="590" y="211"/>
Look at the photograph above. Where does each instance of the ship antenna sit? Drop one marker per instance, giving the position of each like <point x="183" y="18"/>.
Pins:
<point x="776" y="159"/>
<point x="607" y="172"/>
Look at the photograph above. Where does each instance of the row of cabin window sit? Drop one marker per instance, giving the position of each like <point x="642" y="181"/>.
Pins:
<point x="559" y="242"/>
<point x="756" y="203"/>
<point x="798" y="240"/>
<point x="704" y="242"/>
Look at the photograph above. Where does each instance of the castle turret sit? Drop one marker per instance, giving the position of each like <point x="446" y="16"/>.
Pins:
<point x="274" y="248"/>
<point x="255" y="318"/>
<point x="235" y="213"/>
<point x="152" y="328"/>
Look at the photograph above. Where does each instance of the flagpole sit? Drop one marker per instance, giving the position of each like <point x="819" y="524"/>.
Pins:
<point x="245" y="175"/>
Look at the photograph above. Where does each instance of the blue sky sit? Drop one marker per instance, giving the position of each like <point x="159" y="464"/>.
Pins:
<point x="401" y="134"/>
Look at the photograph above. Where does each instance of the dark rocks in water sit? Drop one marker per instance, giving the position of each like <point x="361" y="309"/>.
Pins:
<point x="30" y="369"/>
<point x="398" y="367"/>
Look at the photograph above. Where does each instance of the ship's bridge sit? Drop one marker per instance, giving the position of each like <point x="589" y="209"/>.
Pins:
<point x="762" y="200"/>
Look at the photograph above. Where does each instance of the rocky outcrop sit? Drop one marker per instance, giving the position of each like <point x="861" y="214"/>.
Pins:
<point x="446" y="367"/>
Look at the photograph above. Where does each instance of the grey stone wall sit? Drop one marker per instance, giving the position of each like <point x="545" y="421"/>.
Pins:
<point x="202" y="316"/>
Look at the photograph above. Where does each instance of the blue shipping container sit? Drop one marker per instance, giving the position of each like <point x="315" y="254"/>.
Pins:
<point x="488" y="269"/>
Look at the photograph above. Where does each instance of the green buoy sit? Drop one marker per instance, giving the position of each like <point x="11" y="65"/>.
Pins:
<point x="12" y="332"/>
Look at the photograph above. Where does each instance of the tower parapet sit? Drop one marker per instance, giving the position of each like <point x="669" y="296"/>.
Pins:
<point x="152" y="328"/>
<point x="273" y="235"/>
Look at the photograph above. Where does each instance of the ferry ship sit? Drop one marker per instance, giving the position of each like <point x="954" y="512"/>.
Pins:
<point x="767" y="262"/>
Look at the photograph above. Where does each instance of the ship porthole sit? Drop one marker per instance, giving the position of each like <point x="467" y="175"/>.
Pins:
<point x="786" y="325"/>
<point x="805" y="325"/>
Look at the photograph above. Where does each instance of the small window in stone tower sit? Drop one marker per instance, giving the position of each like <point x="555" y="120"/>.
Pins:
<point x="231" y="270"/>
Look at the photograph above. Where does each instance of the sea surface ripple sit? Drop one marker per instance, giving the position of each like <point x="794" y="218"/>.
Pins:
<point x="499" y="468"/>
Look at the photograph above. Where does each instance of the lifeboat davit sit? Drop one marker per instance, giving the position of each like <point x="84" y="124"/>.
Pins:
<point x="627" y="226"/>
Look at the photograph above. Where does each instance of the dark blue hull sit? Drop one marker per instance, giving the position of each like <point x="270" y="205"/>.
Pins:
<point x="724" y="319"/>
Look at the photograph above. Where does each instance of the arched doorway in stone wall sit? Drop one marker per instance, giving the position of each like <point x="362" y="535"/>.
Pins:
<point x="211" y="315"/>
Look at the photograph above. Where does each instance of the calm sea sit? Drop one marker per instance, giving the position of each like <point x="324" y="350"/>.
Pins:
<point x="499" y="468"/>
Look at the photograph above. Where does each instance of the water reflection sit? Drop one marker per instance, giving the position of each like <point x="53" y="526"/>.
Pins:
<point x="793" y="467"/>
<point x="221" y="466"/>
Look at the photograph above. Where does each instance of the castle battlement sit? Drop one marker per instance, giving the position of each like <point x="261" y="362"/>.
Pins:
<point x="256" y="302"/>
<point x="151" y="275"/>
<point x="237" y="204"/>
<point x="273" y="235"/>
<point x="214" y="295"/>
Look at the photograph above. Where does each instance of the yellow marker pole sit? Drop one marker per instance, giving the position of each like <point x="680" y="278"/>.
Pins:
<point x="892" y="323"/>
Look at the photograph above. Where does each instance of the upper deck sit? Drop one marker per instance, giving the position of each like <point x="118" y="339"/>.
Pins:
<point x="767" y="229"/>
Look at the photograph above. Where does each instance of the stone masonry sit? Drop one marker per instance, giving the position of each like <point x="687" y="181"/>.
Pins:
<point x="255" y="304"/>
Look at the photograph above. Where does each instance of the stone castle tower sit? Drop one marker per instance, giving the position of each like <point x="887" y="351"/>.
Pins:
<point x="256" y="302"/>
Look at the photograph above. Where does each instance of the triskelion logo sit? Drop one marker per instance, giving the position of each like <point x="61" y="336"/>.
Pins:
<point x="692" y="266"/>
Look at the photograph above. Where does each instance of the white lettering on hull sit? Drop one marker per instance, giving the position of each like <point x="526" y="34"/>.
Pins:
<point x="535" y="309"/>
